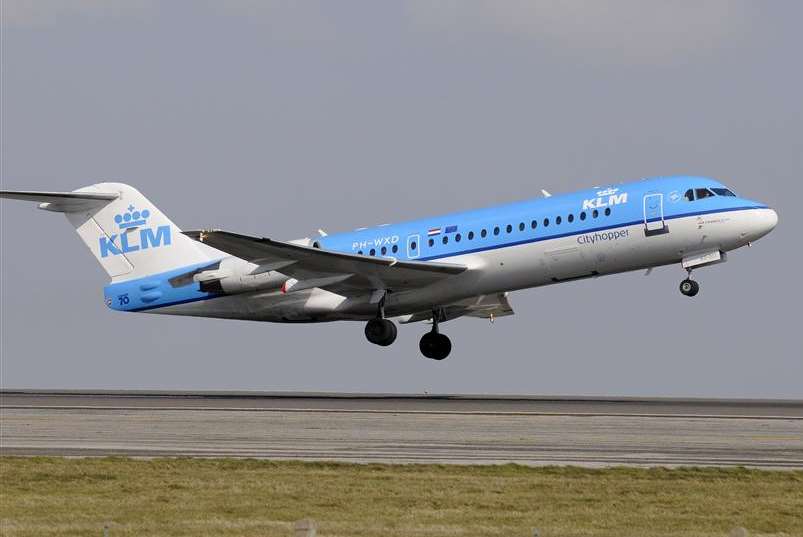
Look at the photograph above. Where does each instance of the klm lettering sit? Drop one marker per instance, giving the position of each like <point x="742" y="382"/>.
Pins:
<point x="605" y="198"/>
<point x="125" y="243"/>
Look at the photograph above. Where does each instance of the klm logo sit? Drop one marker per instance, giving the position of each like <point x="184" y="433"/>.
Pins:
<point x="126" y="241"/>
<point x="605" y="198"/>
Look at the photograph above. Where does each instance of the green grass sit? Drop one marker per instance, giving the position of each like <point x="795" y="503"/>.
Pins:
<point x="225" y="497"/>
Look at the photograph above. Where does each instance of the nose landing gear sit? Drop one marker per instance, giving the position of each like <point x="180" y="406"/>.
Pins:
<point x="433" y="344"/>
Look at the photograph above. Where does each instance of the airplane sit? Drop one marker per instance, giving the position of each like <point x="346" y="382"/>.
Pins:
<point x="434" y="269"/>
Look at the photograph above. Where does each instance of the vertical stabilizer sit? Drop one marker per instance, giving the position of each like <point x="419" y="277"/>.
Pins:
<point x="128" y="235"/>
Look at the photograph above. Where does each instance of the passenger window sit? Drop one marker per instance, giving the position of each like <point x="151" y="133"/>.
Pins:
<point x="432" y="242"/>
<point x="509" y="228"/>
<point x="496" y="230"/>
<point x="546" y="222"/>
<point x="384" y="250"/>
<point x="534" y="224"/>
<point x="445" y="239"/>
<point x="571" y="218"/>
<point x="395" y="248"/>
<point x="701" y="193"/>
<point x="483" y="233"/>
<point x="583" y="215"/>
<point x="607" y="211"/>
<point x="521" y="226"/>
<point x="372" y="252"/>
<point x="595" y="213"/>
<point x="413" y="245"/>
<point x="689" y="195"/>
<point x="471" y="235"/>
<point x="457" y="237"/>
<point x="359" y="253"/>
<point x="558" y="220"/>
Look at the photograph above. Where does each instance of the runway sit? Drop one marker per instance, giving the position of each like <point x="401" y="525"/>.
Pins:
<point x="405" y="429"/>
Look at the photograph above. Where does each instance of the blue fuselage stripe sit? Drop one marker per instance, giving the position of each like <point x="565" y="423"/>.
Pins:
<point x="177" y="303"/>
<point x="578" y="233"/>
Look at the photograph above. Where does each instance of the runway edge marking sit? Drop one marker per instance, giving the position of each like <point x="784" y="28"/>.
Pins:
<point x="425" y="412"/>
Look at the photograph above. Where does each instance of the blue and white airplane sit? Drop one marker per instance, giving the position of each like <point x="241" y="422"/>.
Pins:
<point x="435" y="269"/>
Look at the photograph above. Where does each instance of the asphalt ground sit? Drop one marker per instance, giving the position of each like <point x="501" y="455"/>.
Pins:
<point x="460" y="429"/>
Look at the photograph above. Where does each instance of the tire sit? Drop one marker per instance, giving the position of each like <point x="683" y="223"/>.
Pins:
<point x="435" y="346"/>
<point x="689" y="287"/>
<point x="380" y="332"/>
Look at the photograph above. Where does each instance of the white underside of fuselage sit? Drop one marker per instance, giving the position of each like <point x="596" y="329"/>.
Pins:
<point x="508" y="268"/>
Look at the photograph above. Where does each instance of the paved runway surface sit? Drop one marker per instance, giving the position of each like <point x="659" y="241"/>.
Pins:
<point x="388" y="428"/>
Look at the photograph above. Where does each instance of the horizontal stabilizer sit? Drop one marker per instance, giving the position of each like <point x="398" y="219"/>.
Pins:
<point x="305" y="263"/>
<point x="63" y="202"/>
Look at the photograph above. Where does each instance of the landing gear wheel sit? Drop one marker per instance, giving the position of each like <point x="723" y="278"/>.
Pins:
<point x="435" y="346"/>
<point x="380" y="332"/>
<point x="689" y="287"/>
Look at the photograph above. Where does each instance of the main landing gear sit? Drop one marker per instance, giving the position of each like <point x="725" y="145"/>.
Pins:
<point x="380" y="331"/>
<point x="433" y="344"/>
<point x="689" y="287"/>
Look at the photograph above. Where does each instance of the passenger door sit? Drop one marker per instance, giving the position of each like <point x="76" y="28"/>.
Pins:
<point x="654" y="223"/>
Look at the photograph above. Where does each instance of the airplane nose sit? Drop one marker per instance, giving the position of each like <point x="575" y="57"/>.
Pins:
<point x="772" y="220"/>
<point x="763" y="221"/>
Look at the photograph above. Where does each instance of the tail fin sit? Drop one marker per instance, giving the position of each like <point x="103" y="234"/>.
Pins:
<point x="127" y="234"/>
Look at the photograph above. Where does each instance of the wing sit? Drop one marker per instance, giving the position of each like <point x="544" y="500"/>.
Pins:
<point x="313" y="267"/>
<point x="482" y="306"/>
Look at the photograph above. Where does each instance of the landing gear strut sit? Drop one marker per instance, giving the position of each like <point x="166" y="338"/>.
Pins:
<point x="689" y="287"/>
<point x="433" y="344"/>
<point x="380" y="331"/>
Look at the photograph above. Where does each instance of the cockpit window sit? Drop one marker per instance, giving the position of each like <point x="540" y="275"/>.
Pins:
<point x="723" y="192"/>
<point x="689" y="195"/>
<point x="701" y="193"/>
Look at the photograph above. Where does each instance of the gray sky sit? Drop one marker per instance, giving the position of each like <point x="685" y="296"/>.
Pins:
<point x="276" y="118"/>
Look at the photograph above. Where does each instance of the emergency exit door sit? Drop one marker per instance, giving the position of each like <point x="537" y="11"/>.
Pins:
<point x="413" y="246"/>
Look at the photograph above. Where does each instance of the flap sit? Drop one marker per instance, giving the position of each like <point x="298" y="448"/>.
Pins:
<point x="482" y="306"/>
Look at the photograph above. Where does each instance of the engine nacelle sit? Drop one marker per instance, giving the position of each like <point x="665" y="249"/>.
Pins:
<point x="235" y="275"/>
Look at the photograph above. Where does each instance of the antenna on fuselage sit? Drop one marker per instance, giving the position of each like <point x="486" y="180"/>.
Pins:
<point x="545" y="193"/>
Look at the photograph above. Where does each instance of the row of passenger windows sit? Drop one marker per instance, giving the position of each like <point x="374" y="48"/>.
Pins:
<point x="496" y="231"/>
<point x="702" y="193"/>
<point x="522" y="226"/>
<point x="691" y="194"/>
<point x="384" y="250"/>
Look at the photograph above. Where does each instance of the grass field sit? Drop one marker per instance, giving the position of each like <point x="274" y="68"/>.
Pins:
<point x="206" y="497"/>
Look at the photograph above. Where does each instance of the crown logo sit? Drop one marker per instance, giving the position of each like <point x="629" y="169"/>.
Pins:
<point x="132" y="218"/>
<point x="607" y="192"/>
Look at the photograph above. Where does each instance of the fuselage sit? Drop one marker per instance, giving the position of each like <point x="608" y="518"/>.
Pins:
<point x="594" y="232"/>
